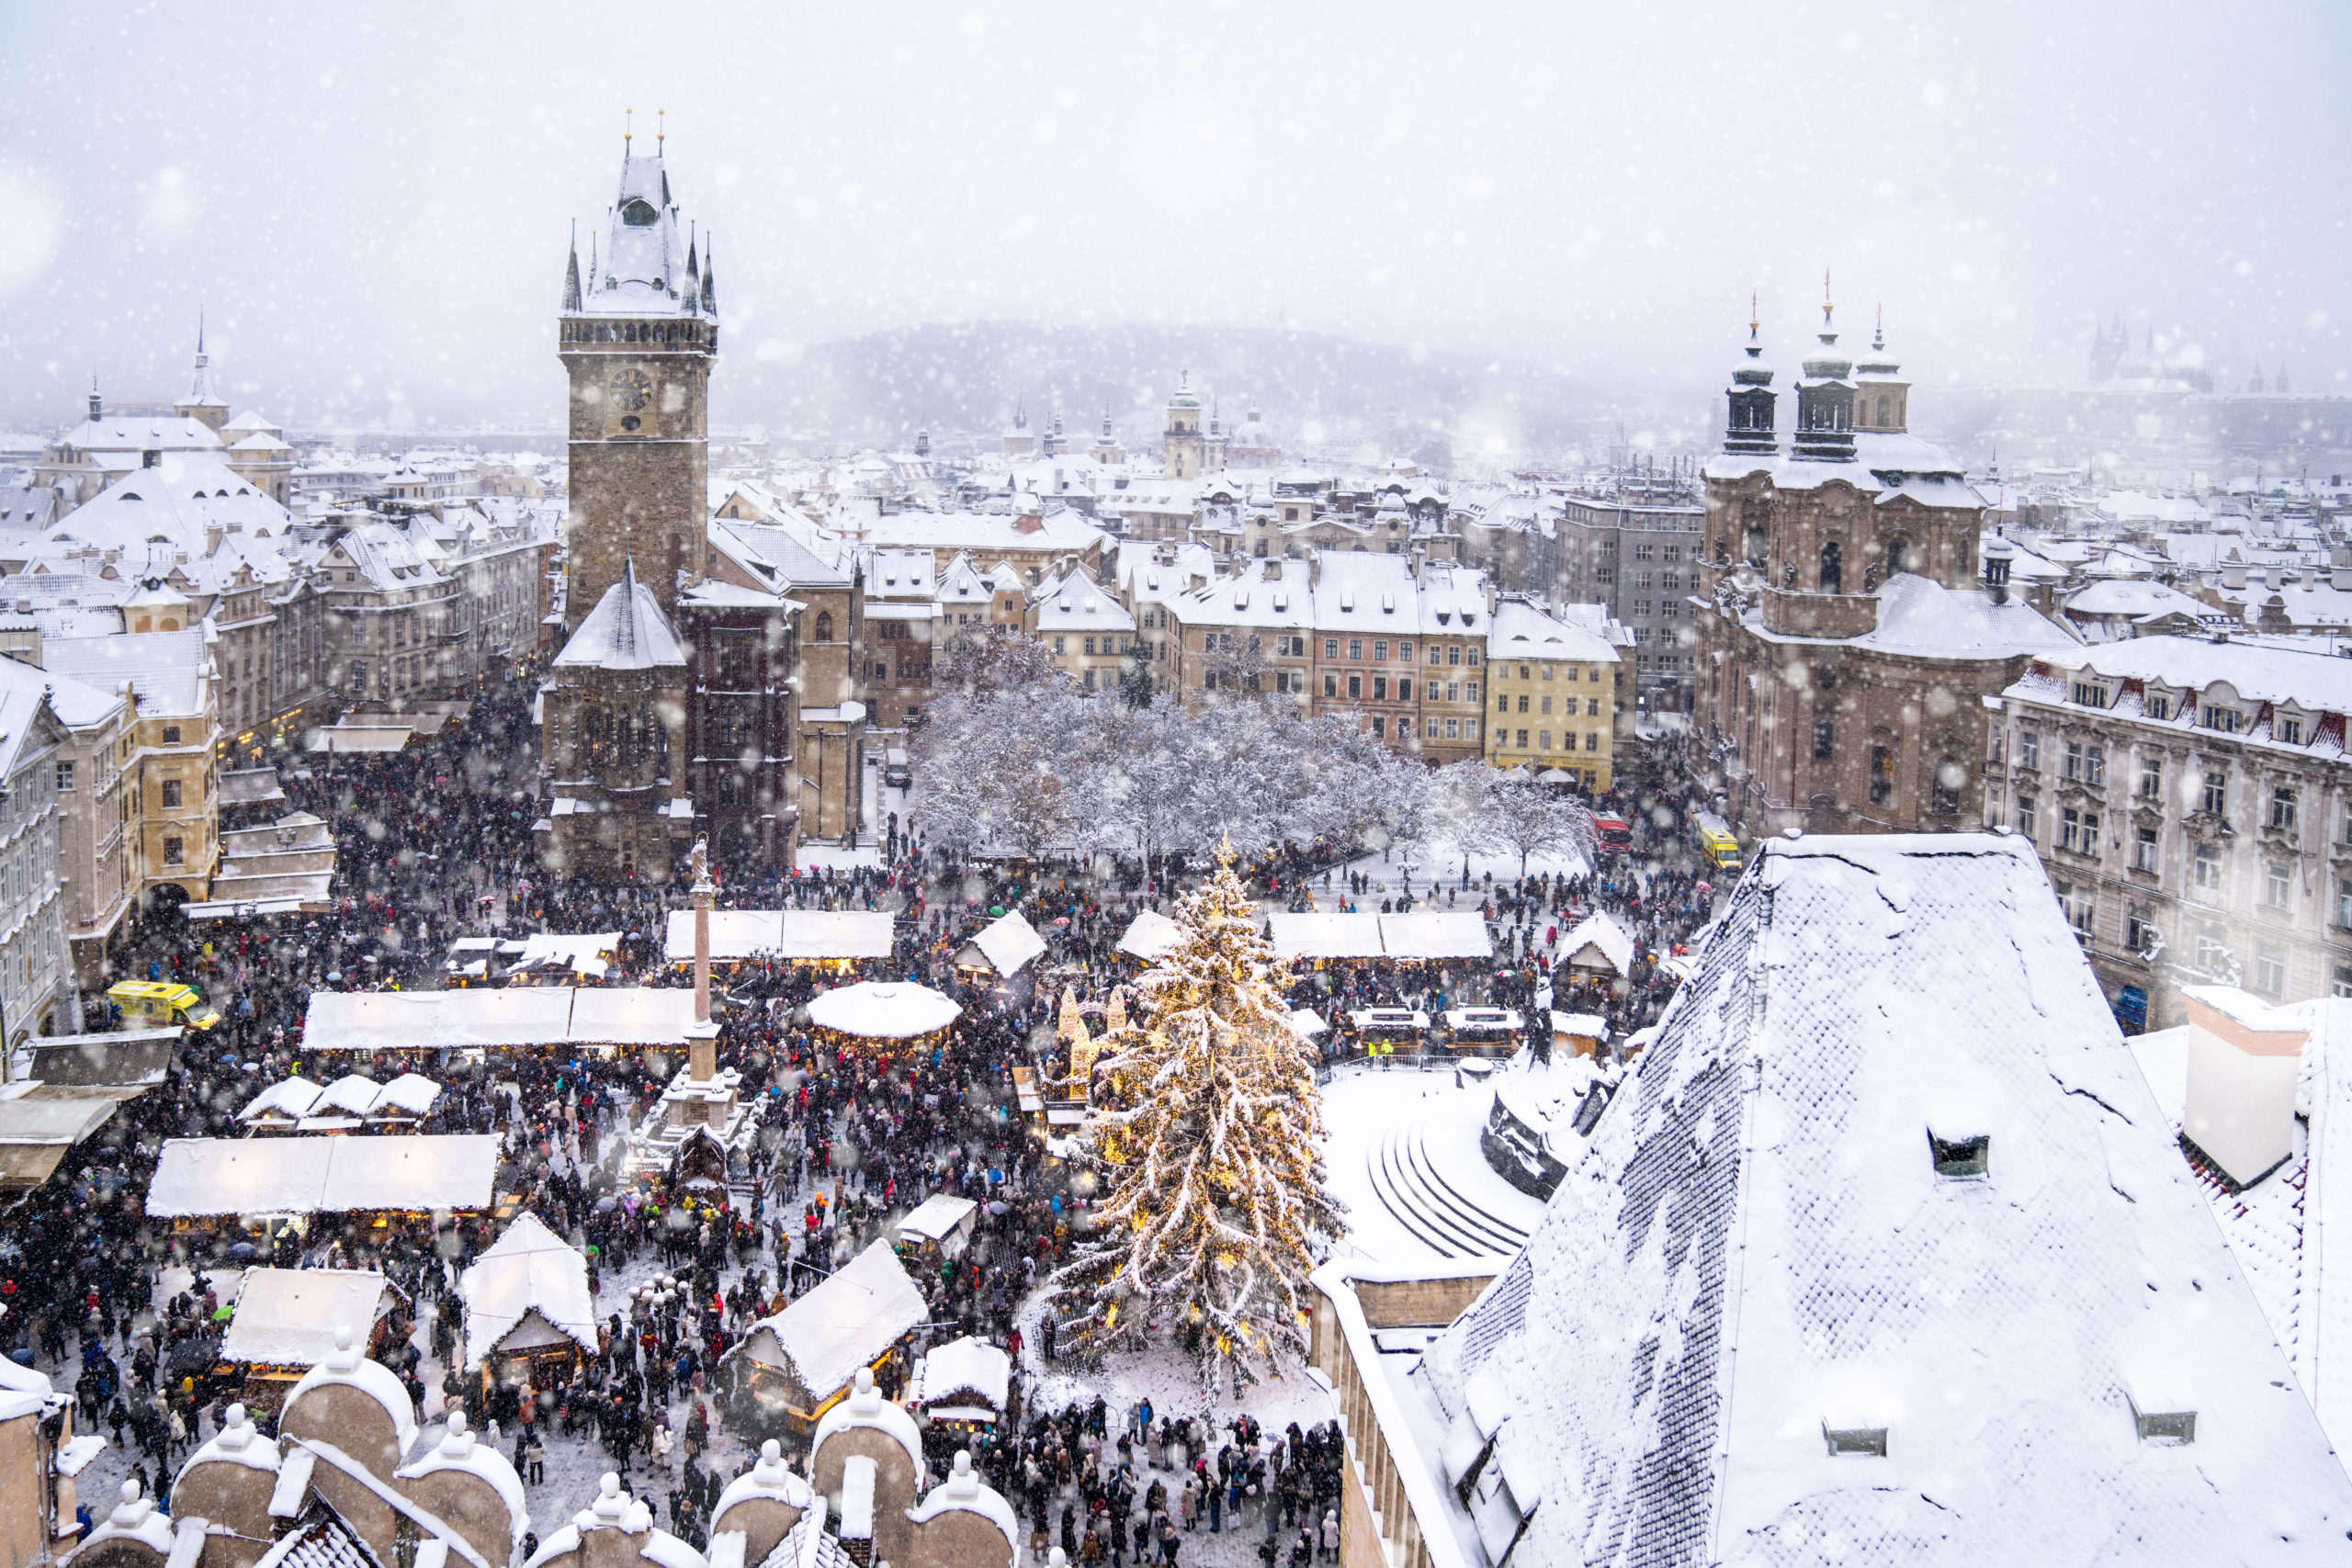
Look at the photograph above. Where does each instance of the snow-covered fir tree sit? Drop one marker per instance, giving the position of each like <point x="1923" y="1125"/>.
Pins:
<point x="1205" y="1140"/>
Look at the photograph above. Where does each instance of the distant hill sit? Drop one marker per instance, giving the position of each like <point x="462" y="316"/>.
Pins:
<point x="963" y="379"/>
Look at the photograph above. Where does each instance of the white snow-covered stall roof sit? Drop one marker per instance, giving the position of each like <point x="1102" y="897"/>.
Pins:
<point x="585" y="953"/>
<point x="883" y="1009"/>
<point x="1597" y="942"/>
<point x="287" y="1317"/>
<point x="789" y="935"/>
<point x="1423" y="934"/>
<point x="1150" y="935"/>
<point x="1009" y="944"/>
<point x="204" y="1177"/>
<point x="528" y="1273"/>
<point x="1435" y="934"/>
<point x="1322" y="934"/>
<point x="939" y="1218"/>
<point x="969" y="1366"/>
<point x="520" y="1018"/>
<point x="855" y="1313"/>
<point x="1883" y="1253"/>
<point x="291" y="1099"/>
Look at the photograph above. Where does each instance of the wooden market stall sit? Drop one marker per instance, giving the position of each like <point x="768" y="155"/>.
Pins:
<point x="1598" y="951"/>
<point x="824" y="940"/>
<point x="964" y="1387"/>
<point x="1151" y="937"/>
<point x="1003" y="947"/>
<point x="602" y="1019"/>
<point x="1431" y="936"/>
<point x="529" y="1316"/>
<point x="260" y="1185"/>
<point x="1579" y="1033"/>
<point x="283" y="1323"/>
<point x="1490" y="1029"/>
<point x="941" y="1222"/>
<point x="790" y="1367"/>
<point x="883" y="1014"/>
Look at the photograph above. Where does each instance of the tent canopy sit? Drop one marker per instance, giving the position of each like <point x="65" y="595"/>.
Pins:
<point x="883" y="1009"/>
<point x="205" y="1178"/>
<point x="1009" y="944"/>
<point x="521" y="1018"/>
<point x="1150" y="935"/>
<point x="794" y="935"/>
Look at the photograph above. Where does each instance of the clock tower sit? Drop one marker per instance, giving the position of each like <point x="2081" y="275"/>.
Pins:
<point x="636" y="334"/>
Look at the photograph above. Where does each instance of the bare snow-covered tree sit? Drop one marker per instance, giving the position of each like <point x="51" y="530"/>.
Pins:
<point x="1517" y="816"/>
<point x="986" y="662"/>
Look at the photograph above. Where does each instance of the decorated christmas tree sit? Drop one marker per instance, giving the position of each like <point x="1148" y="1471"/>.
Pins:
<point x="1204" y="1140"/>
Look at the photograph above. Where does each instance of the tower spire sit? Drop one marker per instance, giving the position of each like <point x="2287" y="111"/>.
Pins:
<point x="661" y="129"/>
<point x="1878" y="337"/>
<point x="572" y="271"/>
<point x="710" y="276"/>
<point x="629" y="131"/>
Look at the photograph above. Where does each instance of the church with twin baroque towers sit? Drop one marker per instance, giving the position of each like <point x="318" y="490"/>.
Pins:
<point x="670" y="713"/>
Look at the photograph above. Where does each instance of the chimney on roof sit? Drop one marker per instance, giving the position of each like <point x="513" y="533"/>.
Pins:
<point x="1274" y="570"/>
<point x="2244" y="1058"/>
<point x="2234" y="575"/>
<point x="1029" y="523"/>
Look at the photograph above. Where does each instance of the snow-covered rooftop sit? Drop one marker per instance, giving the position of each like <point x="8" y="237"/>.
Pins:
<point x="1766" y="1318"/>
<point x="528" y="1269"/>
<point x="1009" y="944"/>
<point x="852" y="1316"/>
<point x="288" y="1317"/>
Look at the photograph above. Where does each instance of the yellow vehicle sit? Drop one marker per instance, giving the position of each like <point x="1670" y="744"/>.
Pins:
<point x="1717" y="843"/>
<point x="158" y="1004"/>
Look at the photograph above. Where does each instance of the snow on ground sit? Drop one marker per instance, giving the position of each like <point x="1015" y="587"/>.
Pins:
<point x="869" y="856"/>
<point x="1401" y="1150"/>
<point x="1444" y="860"/>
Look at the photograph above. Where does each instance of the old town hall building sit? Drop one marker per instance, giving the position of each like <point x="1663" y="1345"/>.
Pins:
<point x="669" y="714"/>
<point x="1847" y="631"/>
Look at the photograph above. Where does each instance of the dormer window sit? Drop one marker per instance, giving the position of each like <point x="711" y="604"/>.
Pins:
<point x="2089" y="695"/>
<point x="2228" y="721"/>
<point x="639" y="213"/>
<point x="2289" y="731"/>
<point x="1844" y="1440"/>
<point x="1961" y="1159"/>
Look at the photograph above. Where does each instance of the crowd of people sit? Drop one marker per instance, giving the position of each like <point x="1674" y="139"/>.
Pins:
<point x="842" y="1139"/>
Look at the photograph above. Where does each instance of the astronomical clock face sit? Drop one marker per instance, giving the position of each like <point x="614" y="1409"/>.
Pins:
<point x="628" y="397"/>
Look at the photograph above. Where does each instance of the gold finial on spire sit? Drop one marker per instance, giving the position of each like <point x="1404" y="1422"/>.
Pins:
<point x="661" y="129"/>
<point x="1754" y="320"/>
<point x="629" y="129"/>
<point x="1827" y="310"/>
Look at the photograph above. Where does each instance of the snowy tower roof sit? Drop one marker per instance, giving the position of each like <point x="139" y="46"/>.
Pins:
<point x="1883" y="1253"/>
<point x="1750" y="428"/>
<point x="201" y="391"/>
<point x="643" y="269"/>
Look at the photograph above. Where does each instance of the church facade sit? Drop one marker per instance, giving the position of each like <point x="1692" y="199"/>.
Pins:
<point x="670" y="712"/>
<point x="1847" y="626"/>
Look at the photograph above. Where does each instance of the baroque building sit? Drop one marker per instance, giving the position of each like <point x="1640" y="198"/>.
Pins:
<point x="1846" y="643"/>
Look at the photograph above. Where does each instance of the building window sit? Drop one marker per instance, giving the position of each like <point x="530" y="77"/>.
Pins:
<point x="1544" y="740"/>
<point x="2074" y="764"/>
<point x="2152" y="778"/>
<point x="2229" y="721"/>
<point x="1944" y="793"/>
<point x="2282" y="809"/>
<point x="2217" y="792"/>
<point x="2291" y="731"/>
<point x="2269" y="969"/>
<point x="2344" y="901"/>
<point x="2205" y="873"/>
<point x="2090" y="695"/>
<point x="2340" y="986"/>
<point x="2278" y="884"/>
<point x="1379" y="728"/>
<point x="2078" y="830"/>
<point x="1330" y="685"/>
<point x="1330" y="647"/>
<point x="1522" y="740"/>
<point x="171" y="735"/>
<point x="2159" y="707"/>
<point x="1881" y="775"/>
<point x="1825" y="740"/>
<point x="2213" y="952"/>
<point x="1592" y="740"/>
<point x="824" y="625"/>
<point x="2137" y="934"/>
<point x="2143" y="851"/>
<point x="2025" y="815"/>
<point x="2094" y="765"/>
<point x="2030" y="749"/>
<point x="64" y="776"/>
<point x="172" y="853"/>
<point x="171" y="795"/>
<point x="1355" y="688"/>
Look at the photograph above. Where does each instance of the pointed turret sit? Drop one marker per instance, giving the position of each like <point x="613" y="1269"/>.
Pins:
<point x="709" y="280"/>
<point x="1882" y="398"/>
<point x="1750" y="428"/>
<point x="98" y="404"/>
<point x="572" y="271"/>
<point x="202" y="402"/>
<point x="1107" y="424"/>
<point x="692" y="297"/>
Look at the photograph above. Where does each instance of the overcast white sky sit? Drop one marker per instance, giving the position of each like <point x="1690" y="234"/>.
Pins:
<point x="371" y="204"/>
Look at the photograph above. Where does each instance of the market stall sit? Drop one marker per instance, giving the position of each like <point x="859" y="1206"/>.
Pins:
<point x="525" y="1018"/>
<point x="964" y="1386"/>
<point x="1484" y="1029"/>
<point x="1003" y="947"/>
<point x="790" y="1368"/>
<point x="529" y="1316"/>
<point x="207" y="1183"/>
<point x="1322" y="937"/>
<point x="1151" y="937"/>
<point x="1598" y="951"/>
<point x="884" y="1013"/>
<point x="283" y="1323"/>
<point x="941" y="1222"/>
<point x="820" y="938"/>
<point x="556" y="958"/>
<point x="1579" y="1033"/>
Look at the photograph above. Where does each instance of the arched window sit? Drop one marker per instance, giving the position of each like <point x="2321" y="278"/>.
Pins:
<point x="1898" y="556"/>
<point x="1833" y="567"/>
<point x="1758" y="545"/>
<point x="1945" y="792"/>
<point x="824" y="625"/>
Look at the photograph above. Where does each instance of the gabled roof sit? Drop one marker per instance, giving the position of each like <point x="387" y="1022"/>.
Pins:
<point x="627" y="630"/>
<point x="1755" y="1250"/>
<point x="528" y="1269"/>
